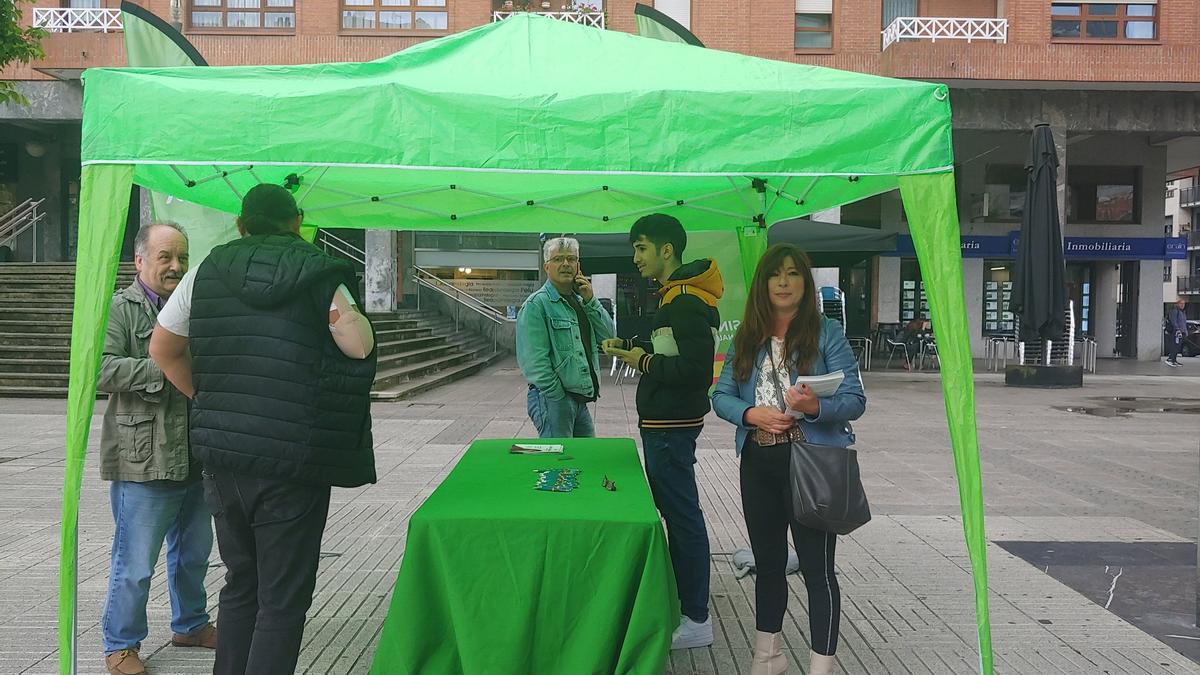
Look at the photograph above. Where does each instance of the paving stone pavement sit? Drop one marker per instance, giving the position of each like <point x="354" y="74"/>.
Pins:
<point x="1049" y="475"/>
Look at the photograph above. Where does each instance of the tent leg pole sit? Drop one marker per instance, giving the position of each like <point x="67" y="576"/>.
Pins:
<point x="75" y="610"/>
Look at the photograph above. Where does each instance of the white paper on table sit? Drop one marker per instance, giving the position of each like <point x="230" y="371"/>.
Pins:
<point x="822" y="386"/>
<point x="527" y="449"/>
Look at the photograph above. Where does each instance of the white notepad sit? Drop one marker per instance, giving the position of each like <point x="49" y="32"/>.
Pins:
<point x="822" y="385"/>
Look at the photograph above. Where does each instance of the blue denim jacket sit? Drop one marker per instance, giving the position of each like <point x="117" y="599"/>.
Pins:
<point x="831" y="424"/>
<point x="549" y="347"/>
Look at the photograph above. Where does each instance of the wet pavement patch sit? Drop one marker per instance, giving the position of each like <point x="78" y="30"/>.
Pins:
<point x="1123" y="406"/>
<point x="1152" y="585"/>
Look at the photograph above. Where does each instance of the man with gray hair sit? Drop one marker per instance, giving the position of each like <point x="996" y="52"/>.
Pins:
<point x="156" y="493"/>
<point x="559" y="331"/>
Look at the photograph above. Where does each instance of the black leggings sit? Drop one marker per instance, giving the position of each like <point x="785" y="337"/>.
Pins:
<point x="766" y="505"/>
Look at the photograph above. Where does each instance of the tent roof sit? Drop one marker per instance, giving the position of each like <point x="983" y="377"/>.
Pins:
<point x="444" y="135"/>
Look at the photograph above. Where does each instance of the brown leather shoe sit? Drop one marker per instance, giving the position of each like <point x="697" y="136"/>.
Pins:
<point x="125" y="662"/>
<point x="205" y="637"/>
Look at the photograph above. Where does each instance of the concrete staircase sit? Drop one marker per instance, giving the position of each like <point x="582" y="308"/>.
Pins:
<point x="418" y="350"/>
<point x="35" y="326"/>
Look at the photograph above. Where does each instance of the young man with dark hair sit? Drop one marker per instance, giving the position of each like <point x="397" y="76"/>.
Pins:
<point x="676" y="368"/>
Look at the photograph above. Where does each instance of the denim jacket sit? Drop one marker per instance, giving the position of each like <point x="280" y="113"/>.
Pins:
<point x="831" y="424"/>
<point x="550" y="348"/>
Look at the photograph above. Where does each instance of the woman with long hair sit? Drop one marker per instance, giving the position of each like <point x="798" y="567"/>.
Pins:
<point x="783" y="335"/>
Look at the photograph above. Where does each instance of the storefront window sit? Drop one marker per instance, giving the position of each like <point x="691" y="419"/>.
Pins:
<point x="997" y="297"/>
<point x="1079" y="293"/>
<point x="913" y="301"/>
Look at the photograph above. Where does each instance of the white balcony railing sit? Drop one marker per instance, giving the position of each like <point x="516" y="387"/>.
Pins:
<point x="77" y="20"/>
<point x="934" y="29"/>
<point x="593" y="19"/>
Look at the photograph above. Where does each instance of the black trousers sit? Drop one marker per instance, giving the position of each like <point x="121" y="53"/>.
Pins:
<point x="269" y="535"/>
<point x="1174" y="345"/>
<point x="766" y="503"/>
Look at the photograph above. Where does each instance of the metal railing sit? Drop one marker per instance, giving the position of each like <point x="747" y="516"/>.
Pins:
<point x="1187" y="284"/>
<point x="77" y="20"/>
<point x="22" y="218"/>
<point x="593" y="19"/>
<point x="426" y="279"/>
<point x="1189" y="197"/>
<point x="937" y="28"/>
<point x="336" y="246"/>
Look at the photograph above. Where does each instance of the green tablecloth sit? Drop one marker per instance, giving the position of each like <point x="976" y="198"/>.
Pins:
<point x="500" y="578"/>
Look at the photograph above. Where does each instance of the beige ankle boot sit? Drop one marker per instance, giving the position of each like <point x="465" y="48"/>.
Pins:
<point x="768" y="654"/>
<point x="819" y="664"/>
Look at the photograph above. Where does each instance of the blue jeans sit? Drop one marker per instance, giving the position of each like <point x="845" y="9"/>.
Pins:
<point x="564" y="418"/>
<point x="671" y="470"/>
<point x="146" y="514"/>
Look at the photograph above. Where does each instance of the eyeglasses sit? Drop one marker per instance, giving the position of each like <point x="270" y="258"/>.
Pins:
<point x="609" y="485"/>
<point x="300" y="212"/>
<point x="565" y="260"/>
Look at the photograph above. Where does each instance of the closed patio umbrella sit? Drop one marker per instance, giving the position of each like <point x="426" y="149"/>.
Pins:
<point x="1039" y="292"/>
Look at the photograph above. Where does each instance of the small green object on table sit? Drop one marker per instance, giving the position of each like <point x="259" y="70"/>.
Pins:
<point x="500" y="578"/>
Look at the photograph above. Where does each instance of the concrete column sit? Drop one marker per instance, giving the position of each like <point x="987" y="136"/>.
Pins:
<point x="381" y="270"/>
<point x="1149" y="311"/>
<point x="1104" y="308"/>
<point x="887" y="289"/>
<point x="145" y="207"/>
<point x="1059" y="132"/>
<point x="973" y="294"/>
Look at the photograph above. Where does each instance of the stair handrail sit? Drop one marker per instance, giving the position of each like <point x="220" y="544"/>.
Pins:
<point x="331" y="241"/>
<point x="19" y="219"/>
<point x="431" y="281"/>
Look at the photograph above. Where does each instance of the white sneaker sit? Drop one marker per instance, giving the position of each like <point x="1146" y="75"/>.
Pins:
<point x="691" y="634"/>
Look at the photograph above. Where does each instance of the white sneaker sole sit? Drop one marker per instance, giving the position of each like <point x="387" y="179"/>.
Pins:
<point x="692" y="642"/>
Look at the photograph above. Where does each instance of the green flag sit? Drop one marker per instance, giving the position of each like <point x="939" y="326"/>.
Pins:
<point x="652" y="23"/>
<point x="151" y="42"/>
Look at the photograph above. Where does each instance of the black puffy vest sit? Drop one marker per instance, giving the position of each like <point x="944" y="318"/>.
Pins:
<point x="275" y="397"/>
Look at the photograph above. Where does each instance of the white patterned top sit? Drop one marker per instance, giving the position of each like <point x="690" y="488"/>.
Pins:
<point x="765" y="392"/>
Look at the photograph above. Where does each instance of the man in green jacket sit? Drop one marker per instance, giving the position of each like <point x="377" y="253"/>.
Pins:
<point x="559" y="331"/>
<point x="156" y="493"/>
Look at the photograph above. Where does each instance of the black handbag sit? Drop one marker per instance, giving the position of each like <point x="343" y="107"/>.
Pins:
<point x="826" y="489"/>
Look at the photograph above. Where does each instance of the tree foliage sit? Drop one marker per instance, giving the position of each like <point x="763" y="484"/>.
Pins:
<point x="17" y="44"/>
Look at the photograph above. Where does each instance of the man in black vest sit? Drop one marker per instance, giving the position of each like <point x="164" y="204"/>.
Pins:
<point x="280" y="370"/>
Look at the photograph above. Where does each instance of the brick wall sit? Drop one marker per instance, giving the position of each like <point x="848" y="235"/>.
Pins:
<point x="762" y="28"/>
<point x="958" y="8"/>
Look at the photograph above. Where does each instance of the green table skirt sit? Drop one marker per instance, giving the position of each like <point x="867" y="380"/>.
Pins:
<point x="500" y="578"/>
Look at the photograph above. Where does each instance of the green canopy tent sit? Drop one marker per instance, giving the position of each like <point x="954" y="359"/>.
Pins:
<point x="492" y="129"/>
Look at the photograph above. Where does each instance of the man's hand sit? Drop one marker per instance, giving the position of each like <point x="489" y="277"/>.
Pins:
<point x="630" y="356"/>
<point x="612" y="344"/>
<point x="583" y="287"/>
<point x="768" y="419"/>
<point x="801" y="397"/>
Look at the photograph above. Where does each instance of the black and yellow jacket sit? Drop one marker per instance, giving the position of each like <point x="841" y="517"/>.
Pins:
<point x="677" y="369"/>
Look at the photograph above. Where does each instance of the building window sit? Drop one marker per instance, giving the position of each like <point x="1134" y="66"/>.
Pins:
<point x="395" y="15"/>
<point x="1105" y="21"/>
<point x="1103" y="194"/>
<point x="274" y="15"/>
<point x="997" y="297"/>
<point x="814" y="24"/>
<point x="1004" y="185"/>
